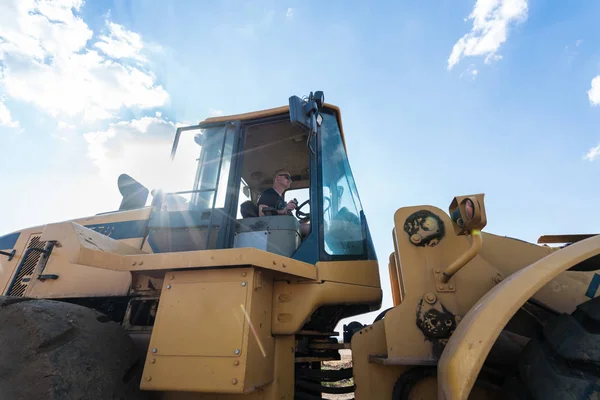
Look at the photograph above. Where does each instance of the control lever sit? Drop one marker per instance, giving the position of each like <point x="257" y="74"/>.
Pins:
<point x="295" y="201"/>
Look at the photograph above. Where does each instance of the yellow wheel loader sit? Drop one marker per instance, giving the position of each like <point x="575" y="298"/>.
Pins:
<point x="199" y="293"/>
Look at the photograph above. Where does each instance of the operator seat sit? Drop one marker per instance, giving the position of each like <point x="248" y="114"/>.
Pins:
<point x="248" y="209"/>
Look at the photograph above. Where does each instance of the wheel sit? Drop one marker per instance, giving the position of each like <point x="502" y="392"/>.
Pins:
<point x="564" y="363"/>
<point x="305" y="216"/>
<point x="57" y="350"/>
<point x="301" y="215"/>
<point x="409" y="379"/>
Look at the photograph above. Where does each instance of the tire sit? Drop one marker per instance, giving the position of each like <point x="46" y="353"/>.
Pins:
<point x="564" y="363"/>
<point x="57" y="350"/>
<point x="409" y="379"/>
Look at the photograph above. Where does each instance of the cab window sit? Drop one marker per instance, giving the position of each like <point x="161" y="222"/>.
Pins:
<point x="343" y="233"/>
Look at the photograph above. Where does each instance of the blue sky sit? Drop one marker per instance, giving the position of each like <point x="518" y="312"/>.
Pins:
<point x="438" y="98"/>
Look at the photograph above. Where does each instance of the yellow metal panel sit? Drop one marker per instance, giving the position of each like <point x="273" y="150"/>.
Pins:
<point x="73" y="281"/>
<point x="271" y="112"/>
<point x="212" y="333"/>
<point x="185" y="305"/>
<point x="260" y="348"/>
<point x="364" y="273"/>
<point x="566" y="291"/>
<point x="373" y="381"/>
<point x="471" y="342"/>
<point x="295" y="302"/>
<point x="79" y="281"/>
<point x="511" y="255"/>
<point x="74" y="237"/>
<point x="194" y="259"/>
<point x="562" y="294"/>
<point x="394" y="280"/>
<point x="403" y="337"/>
<point x="398" y="263"/>
<point x="248" y="116"/>
<point x="282" y="387"/>
<point x="187" y="373"/>
<point x="7" y="268"/>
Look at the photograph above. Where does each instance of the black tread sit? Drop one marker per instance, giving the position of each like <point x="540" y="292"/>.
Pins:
<point x="564" y="363"/>
<point x="571" y="341"/>
<point x="56" y="350"/>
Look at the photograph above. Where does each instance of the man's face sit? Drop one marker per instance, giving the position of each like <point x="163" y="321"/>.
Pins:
<point x="284" y="179"/>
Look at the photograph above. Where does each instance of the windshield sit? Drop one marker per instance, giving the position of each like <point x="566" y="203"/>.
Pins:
<point x="202" y="165"/>
<point x="343" y="233"/>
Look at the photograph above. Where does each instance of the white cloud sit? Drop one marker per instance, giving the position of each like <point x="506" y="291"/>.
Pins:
<point x="578" y="43"/>
<point x="59" y="137"/>
<point x="593" y="153"/>
<point x="215" y="112"/>
<point x="65" y="125"/>
<point x="141" y="148"/>
<point x="472" y="72"/>
<point x="37" y="29"/>
<point x="46" y="60"/>
<point x="5" y="117"/>
<point x="290" y="12"/>
<point x="491" y="19"/>
<point x="121" y="43"/>
<point x="594" y="92"/>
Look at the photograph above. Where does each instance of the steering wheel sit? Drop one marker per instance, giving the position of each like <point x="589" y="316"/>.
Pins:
<point x="305" y="216"/>
<point x="302" y="216"/>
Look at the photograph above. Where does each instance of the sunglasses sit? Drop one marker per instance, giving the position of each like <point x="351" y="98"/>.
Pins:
<point x="288" y="176"/>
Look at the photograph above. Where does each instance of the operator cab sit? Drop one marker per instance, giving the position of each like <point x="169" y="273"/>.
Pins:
<point x="229" y="161"/>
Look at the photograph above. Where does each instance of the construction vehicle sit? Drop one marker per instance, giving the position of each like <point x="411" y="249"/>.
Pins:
<point x="195" y="296"/>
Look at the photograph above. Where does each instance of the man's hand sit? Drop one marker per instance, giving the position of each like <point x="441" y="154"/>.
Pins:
<point x="291" y="205"/>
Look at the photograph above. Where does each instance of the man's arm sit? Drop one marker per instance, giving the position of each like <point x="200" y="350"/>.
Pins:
<point x="267" y="199"/>
<point x="260" y="210"/>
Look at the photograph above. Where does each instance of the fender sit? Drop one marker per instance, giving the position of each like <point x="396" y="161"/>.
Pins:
<point x="471" y="342"/>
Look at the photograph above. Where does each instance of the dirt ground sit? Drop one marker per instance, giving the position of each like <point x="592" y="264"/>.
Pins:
<point x="345" y="362"/>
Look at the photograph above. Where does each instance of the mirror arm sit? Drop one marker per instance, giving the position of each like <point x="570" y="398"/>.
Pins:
<point x="464" y="258"/>
<point x="310" y="136"/>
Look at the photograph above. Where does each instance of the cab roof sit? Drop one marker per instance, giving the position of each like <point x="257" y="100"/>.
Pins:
<point x="271" y="112"/>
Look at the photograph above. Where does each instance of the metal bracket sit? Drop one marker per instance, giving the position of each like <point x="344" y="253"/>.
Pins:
<point x="441" y="286"/>
<point x="47" y="276"/>
<point x="46" y="251"/>
<point x="9" y="255"/>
